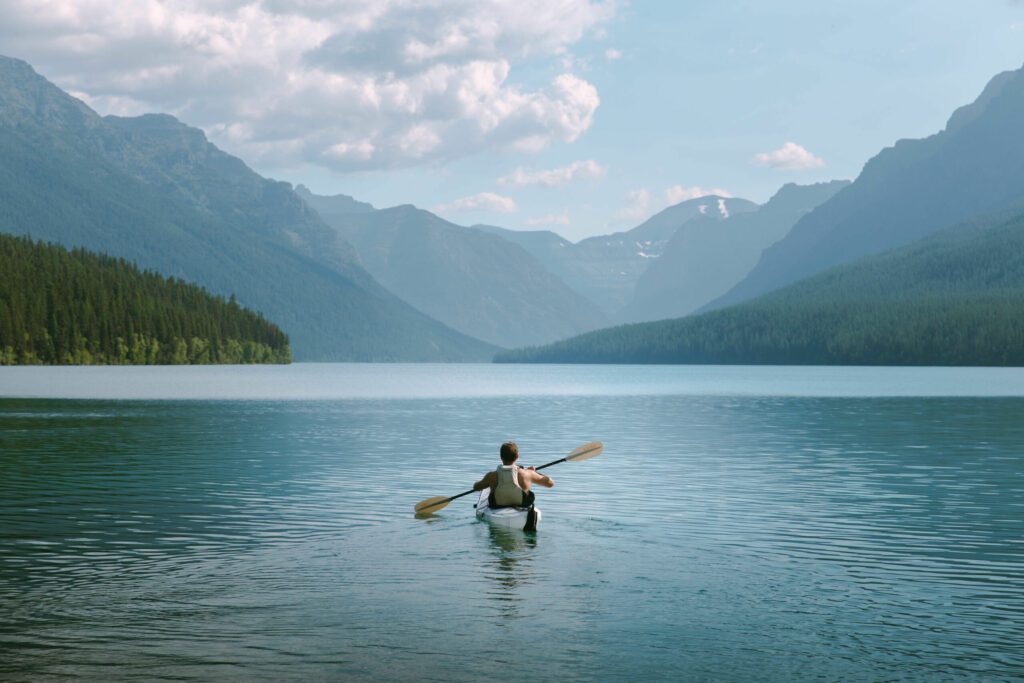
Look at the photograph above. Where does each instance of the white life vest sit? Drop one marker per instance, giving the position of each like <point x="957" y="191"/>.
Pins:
<point x="508" y="491"/>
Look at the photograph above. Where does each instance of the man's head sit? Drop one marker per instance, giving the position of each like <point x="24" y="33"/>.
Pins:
<point x="509" y="452"/>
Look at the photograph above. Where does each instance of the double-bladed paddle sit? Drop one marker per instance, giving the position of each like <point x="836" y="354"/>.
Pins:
<point x="584" y="452"/>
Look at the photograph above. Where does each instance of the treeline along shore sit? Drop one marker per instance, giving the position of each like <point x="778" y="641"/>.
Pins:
<point x="80" y="308"/>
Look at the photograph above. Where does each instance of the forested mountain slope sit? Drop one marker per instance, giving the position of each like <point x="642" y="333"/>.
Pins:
<point x="955" y="298"/>
<point x="60" y="307"/>
<point x="155" y="191"/>
<point x="908" y="191"/>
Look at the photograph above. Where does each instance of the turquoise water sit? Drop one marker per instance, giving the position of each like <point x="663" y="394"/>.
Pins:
<point x="742" y="524"/>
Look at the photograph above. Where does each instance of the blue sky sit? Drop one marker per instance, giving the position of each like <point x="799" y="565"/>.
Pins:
<point x="698" y="92"/>
<point x="494" y="104"/>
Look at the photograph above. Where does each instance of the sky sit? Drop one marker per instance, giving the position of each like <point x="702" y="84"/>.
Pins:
<point x="579" y="116"/>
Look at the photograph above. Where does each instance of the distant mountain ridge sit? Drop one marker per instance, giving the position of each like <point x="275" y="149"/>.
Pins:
<point x="544" y="245"/>
<point x="155" y="191"/>
<point x="910" y="190"/>
<point x="350" y="282"/>
<point x="472" y="280"/>
<point x="606" y="268"/>
<point x="707" y="256"/>
<point x="954" y="298"/>
<point x="335" y="205"/>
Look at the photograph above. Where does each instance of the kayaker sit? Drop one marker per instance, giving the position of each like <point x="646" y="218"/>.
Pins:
<point x="509" y="483"/>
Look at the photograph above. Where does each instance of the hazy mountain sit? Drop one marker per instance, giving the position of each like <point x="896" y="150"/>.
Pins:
<point x="908" y="191"/>
<point x="605" y="269"/>
<point x="474" y="281"/>
<point x="707" y="256"/>
<point x="335" y="205"/>
<point x="545" y="246"/>
<point x="154" y="191"/>
<point x="954" y="298"/>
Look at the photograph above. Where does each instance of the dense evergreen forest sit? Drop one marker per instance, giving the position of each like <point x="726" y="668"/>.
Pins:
<point x="956" y="298"/>
<point x="81" y="308"/>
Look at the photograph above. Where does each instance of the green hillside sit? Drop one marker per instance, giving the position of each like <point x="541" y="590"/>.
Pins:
<point x="956" y="298"/>
<point x="77" y="307"/>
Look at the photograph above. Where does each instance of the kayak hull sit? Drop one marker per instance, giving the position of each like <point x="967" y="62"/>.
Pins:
<point x="506" y="517"/>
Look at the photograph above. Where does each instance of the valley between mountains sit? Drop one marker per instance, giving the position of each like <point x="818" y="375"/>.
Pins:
<point x="915" y="261"/>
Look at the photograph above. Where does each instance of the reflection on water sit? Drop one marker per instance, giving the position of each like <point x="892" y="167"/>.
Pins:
<point x="509" y="541"/>
<point x="511" y="568"/>
<point x="717" y="537"/>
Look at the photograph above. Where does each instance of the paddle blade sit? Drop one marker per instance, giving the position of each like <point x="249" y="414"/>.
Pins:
<point x="590" y="450"/>
<point x="426" y="507"/>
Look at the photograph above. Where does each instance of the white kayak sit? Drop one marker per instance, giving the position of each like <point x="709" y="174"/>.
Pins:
<point x="505" y="517"/>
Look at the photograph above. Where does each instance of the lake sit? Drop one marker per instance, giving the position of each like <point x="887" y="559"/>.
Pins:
<point x="742" y="523"/>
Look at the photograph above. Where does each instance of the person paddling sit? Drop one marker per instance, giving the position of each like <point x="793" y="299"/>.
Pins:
<point x="520" y="479"/>
<point x="509" y="483"/>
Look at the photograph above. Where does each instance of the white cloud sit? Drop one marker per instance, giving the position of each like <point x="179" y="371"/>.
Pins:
<point x="679" y="193"/>
<point x="551" y="219"/>
<point x="360" y="150"/>
<point x="555" y="176"/>
<point x="484" y="201"/>
<point x="638" y="203"/>
<point x="789" y="157"/>
<point x="419" y="140"/>
<point x="348" y="84"/>
<point x="611" y="54"/>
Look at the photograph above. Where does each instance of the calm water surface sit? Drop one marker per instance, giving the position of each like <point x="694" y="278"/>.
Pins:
<point x="742" y="524"/>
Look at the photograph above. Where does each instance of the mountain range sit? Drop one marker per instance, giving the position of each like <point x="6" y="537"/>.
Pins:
<point x="707" y="256"/>
<point x="155" y="191"/>
<point x="915" y="188"/>
<point x="470" y="279"/>
<point x="606" y="268"/>
<point x="919" y="261"/>
<point x="953" y="298"/>
<point x="348" y="281"/>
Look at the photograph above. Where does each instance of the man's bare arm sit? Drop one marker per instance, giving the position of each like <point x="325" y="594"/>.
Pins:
<point x="486" y="482"/>
<point x="538" y="478"/>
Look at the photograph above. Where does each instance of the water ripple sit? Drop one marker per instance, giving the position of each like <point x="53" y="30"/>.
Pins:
<point x="718" y="537"/>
